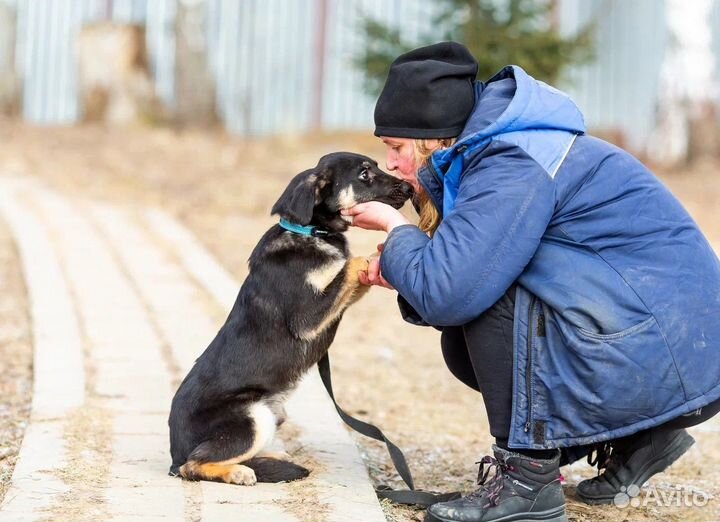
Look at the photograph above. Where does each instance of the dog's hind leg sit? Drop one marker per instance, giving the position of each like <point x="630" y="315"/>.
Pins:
<point x="277" y="407"/>
<point x="219" y="472"/>
<point x="220" y="458"/>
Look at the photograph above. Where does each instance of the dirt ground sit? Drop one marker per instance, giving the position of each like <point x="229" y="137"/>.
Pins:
<point x="386" y="371"/>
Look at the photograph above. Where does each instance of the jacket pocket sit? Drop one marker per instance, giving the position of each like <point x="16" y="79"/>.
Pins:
<point x="592" y="383"/>
<point x="647" y="323"/>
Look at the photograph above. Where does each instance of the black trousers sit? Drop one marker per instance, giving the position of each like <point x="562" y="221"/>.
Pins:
<point x="480" y="354"/>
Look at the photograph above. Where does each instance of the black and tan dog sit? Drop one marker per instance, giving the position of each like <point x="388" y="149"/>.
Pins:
<point x="285" y="317"/>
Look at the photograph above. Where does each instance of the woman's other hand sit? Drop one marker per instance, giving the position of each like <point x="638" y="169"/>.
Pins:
<point x="374" y="215"/>
<point x="373" y="277"/>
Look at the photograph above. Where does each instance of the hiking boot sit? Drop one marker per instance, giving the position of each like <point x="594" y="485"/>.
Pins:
<point x="522" y="488"/>
<point x="631" y="461"/>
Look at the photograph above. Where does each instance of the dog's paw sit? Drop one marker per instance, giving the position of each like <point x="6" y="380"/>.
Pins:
<point x="358" y="264"/>
<point x="354" y="288"/>
<point x="242" y="476"/>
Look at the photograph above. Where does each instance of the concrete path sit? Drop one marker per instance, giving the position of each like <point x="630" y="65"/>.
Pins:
<point x="122" y="302"/>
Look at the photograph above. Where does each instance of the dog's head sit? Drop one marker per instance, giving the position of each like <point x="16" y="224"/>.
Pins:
<point x="339" y="181"/>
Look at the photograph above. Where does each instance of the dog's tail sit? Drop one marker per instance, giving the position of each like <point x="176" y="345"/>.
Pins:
<point x="268" y="469"/>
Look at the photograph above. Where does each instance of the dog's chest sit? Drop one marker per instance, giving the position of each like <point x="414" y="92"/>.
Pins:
<point x="324" y="273"/>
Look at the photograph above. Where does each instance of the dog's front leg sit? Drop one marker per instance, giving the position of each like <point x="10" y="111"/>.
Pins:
<point x="353" y="287"/>
<point x="350" y="291"/>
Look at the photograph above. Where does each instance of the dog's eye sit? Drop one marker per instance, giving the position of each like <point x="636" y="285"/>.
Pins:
<point x="364" y="175"/>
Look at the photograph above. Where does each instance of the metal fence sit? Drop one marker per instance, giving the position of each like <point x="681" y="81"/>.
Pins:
<point x="264" y="57"/>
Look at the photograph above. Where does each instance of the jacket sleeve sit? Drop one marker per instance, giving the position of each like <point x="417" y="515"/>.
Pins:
<point x="504" y="204"/>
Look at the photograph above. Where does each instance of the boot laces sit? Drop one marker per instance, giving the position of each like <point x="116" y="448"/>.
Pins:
<point x="600" y="455"/>
<point x="490" y="485"/>
<point x="605" y="455"/>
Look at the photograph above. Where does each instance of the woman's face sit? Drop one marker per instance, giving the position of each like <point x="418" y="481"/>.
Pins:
<point x="400" y="158"/>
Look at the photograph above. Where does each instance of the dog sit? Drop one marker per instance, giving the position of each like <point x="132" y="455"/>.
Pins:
<point x="301" y="280"/>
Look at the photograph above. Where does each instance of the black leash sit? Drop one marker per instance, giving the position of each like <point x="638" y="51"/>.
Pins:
<point x="400" y="496"/>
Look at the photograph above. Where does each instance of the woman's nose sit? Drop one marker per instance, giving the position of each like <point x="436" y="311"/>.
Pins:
<point x="390" y="163"/>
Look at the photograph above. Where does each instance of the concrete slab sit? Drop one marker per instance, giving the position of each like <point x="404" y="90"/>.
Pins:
<point x="59" y="376"/>
<point x="58" y="373"/>
<point x="34" y="486"/>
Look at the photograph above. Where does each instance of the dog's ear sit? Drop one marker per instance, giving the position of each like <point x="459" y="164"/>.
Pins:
<point x="300" y="197"/>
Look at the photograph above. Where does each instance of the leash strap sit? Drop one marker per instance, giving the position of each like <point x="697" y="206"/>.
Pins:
<point x="400" y="496"/>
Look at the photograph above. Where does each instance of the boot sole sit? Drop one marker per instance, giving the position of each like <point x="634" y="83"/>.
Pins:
<point x="553" y="515"/>
<point x="676" y="449"/>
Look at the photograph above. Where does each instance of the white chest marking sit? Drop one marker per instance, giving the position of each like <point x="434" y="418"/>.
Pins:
<point x="321" y="277"/>
<point x="265" y="426"/>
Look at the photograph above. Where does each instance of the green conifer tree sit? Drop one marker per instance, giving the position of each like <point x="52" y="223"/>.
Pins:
<point x="498" y="33"/>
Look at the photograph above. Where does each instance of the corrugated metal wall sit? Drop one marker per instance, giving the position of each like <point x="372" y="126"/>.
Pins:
<point x="716" y="36"/>
<point x="45" y="54"/>
<point x="261" y="56"/>
<point x="618" y="90"/>
<point x="262" y="53"/>
<point x="346" y="105"/>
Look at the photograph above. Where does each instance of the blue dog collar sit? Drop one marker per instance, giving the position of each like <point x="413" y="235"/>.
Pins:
<point x="302" y="230"/>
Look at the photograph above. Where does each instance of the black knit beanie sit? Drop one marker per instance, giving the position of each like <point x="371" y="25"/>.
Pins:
<point x="428" y="93"/>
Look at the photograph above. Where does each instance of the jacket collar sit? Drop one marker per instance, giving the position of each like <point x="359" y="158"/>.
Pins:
<point x="434" y="176"/>
<point x="532" y="106"/>
<point x="431" y="181"/>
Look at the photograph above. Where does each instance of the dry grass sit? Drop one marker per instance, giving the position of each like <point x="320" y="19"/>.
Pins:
<point x="87" y="435"/>
<point x="304" y="496"/>
<point x="15" y="358"/>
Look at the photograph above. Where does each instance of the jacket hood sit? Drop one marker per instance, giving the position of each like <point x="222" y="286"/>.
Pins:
<point x="510" y="101"/>
<point x="532" y="104"/>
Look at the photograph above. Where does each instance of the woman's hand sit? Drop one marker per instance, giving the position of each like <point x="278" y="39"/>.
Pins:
<point x="374" y="215"/>
<point x="373" y="277"/>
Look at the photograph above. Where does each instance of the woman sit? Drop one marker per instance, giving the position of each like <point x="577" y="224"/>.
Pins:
<point x="572" y="289"/>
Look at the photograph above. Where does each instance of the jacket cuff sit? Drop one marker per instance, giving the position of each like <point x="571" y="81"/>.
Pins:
<point x="403" y="238"/>
<point x="408" y="313"/>
<point x="397" y="237"/>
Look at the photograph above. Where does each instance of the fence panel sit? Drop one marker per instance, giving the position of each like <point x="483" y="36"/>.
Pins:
<point x="264" y="58"/>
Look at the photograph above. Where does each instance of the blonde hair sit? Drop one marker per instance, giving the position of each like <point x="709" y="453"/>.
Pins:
<point x="430" y="217"/>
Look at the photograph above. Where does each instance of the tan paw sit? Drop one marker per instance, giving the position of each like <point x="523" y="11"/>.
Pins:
<point x="357" y="264"/>
<point x="354" y="267"/>
<point x="241" y="475"/>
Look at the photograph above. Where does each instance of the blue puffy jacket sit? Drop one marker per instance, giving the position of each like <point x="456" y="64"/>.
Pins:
<point x="617" y="315"/>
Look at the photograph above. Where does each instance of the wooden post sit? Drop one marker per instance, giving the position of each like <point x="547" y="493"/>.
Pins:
<point x="195" y="85"/>
<point x="114" y="77"/>
<point x="319" y="77"/>
<point x="554" y="15"/>
<point x="9" y="82"/>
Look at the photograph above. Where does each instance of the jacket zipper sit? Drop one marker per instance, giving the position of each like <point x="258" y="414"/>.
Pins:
<point x="528" y="368"/>
<point x="431" y="168"/>
<point x="438" y="180"/>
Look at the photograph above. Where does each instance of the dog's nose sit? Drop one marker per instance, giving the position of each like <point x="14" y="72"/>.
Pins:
<point x="406" y="189"/>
